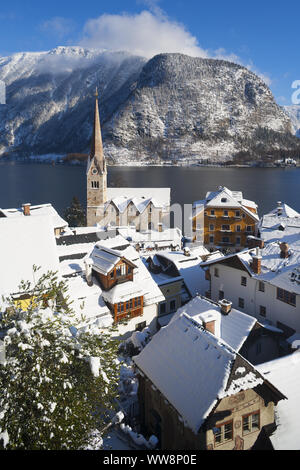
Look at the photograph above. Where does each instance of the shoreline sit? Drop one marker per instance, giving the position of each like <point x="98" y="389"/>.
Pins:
<point x="59" y="162"/>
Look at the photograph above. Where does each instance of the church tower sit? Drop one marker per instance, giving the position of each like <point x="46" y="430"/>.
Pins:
<point x="96" y="173"/>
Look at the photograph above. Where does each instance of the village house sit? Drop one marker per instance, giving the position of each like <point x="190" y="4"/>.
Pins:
<point x="59" y="225"/>
<point x="127" y="287"/>
<point x="186" y="263"/>
<point x="224" y="219"/>
<point x="172" y="287"/>
<point x="196" y="392"/>
<point x="264" y="283"/>
<point x="141" y="208"/>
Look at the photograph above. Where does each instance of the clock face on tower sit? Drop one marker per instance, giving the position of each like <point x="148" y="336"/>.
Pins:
<point x="94" y="171"/>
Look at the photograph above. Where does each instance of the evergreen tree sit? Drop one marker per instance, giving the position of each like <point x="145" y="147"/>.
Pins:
<point x="58" y="388"/>
<point x="75" y="214"/>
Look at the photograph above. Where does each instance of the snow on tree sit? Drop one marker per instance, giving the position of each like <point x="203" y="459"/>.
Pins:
<point x="57" y="388"/>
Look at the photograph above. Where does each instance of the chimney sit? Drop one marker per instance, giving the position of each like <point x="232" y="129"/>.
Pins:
<point x="284" y="250"/>
<point x="210" y="326"/>
<point x="88" y="271"/>
<point x="225" y="306"/>
<point x="211" y="322"/>
<point x="256" y="262"/>
<point x="26" y="208"/>
<point x="254" y="242"/>
<point x="279" y="208"/>
<point x="160" y="227"/>
<point x="187" y="251"/>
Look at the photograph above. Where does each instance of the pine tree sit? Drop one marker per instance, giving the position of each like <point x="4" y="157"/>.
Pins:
<point x="57" y="389"/>
<point x="75" y="214"/>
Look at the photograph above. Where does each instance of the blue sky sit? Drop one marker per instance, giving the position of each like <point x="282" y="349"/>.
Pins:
<point x="263" y="35"/>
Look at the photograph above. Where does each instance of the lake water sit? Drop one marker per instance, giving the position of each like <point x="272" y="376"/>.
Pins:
<point x="42" y="183"/>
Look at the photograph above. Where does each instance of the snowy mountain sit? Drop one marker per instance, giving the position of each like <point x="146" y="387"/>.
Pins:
<point x="50" y="97"/>
<point x="172" y="106"/>
<point x="293" y="112"/>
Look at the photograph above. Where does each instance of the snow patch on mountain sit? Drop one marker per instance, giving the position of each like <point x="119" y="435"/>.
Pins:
<point x="173" y="107"/>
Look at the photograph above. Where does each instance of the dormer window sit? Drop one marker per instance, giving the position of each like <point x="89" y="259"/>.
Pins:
<point x="224" y="199"/>
<point x="121" y="270"/>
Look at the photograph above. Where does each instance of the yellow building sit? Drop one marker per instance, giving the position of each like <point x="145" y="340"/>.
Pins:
<point x="224" y="219"/>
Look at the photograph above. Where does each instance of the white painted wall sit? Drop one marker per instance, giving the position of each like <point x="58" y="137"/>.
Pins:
<point x="229" y="281"/>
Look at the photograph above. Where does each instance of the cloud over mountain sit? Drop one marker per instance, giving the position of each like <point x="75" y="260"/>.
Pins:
<point x="145" y="34"/>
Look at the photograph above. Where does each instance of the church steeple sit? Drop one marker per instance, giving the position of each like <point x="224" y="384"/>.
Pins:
<point x="96" y="173"/>
<point x="97" y="147"/>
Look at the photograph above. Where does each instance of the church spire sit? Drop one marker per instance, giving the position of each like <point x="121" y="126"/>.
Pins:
<point x="97" y="147"/>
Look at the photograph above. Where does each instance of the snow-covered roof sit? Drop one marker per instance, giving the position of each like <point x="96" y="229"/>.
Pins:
<point x="117" y="248"/>
<point x="24" y="242"/>
<point x="280" y="272"/>
<point x="163" y="279"/>
<point x="192" y="367"/>
<point x="123" y="292"/>
<point x="168" y="236"/>
<point x="224" y="197"/>
<point x="42" y="209"/>
<point x="141" y="197"/>
<point x="284" y="373"/>
<point x="104" y="259"/>
<point x="283" y="211"/>
<point x="87" y="302"/>
<point x="69" y="251"/>
<point x="233" y="329"/>
<point x="248" y="203"/>
<point x="139" y="203"/>
<point x="189" y="267"/>
<point x="284" y="224"/>
<point x="73" y="247"/>
<point x="238" y="195"/>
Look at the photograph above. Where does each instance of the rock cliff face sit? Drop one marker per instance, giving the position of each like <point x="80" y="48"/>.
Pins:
<point x="293" y="112"/>
<point x="171" y="107"/>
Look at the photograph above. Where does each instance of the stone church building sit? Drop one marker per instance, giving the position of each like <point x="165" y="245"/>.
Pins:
<point x="142" y="208"/>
